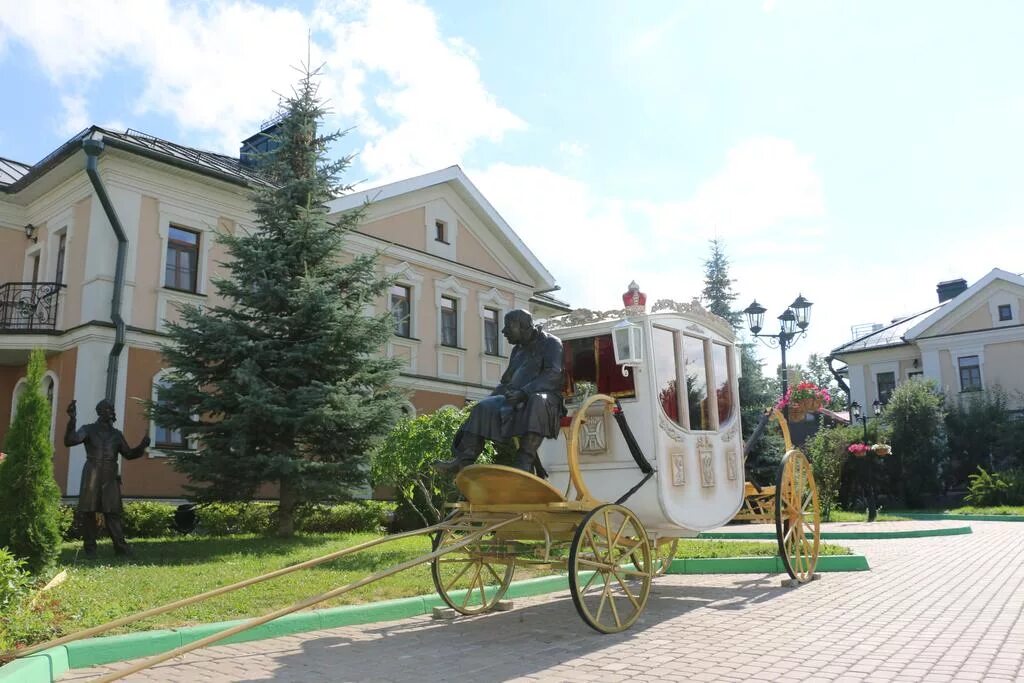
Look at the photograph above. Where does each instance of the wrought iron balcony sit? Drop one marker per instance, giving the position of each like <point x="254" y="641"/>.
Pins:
<point x="29" y="306"/>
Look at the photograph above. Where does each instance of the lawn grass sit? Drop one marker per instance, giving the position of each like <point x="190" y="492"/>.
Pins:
<point x="849" y="516"/>
<point x="995" y="510"/>
<point x="164" y="570"/>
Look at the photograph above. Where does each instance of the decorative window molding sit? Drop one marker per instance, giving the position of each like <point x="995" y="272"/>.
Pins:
<point x="451" y="288"/>
<point x="155" y="451"/>
<point x="966" y="354"/>
<point x="407" y="276"/>
<point x="439" y="211"/>
<point x="203" y="224"/>
<point x="1002" y="303"/>
<point x="493" y="300"/>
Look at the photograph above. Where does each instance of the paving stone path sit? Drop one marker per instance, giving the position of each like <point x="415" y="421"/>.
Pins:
<point x="931" y="609"/>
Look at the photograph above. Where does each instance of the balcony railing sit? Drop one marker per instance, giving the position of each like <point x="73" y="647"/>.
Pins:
<point x="29" y="306"/>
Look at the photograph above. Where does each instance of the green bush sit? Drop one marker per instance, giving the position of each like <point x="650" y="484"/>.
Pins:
<point x="368" y="515"/>
<point x="980" y="433"/>
<point x="996" y="488"/>
<point x="15" y="580"/>
<point x="223" y="519"/>
<point x="403" y="462"/>
<point x="920" y="457"/>
<point x="67" y="523"/>
<point x="146" y="519"/>
<point x="29" y="497"/>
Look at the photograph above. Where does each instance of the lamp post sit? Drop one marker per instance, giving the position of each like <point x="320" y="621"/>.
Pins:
<point x="792" y="325"/>
<point x="870" y="457"/>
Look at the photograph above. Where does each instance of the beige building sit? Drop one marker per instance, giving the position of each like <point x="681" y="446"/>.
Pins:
<point x="105" y="237"/>
<point x="972" y="341"/>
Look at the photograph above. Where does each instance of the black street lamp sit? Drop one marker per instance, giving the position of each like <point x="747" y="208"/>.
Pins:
<point x="870" y="458"/>
<point x="792" y="325"/>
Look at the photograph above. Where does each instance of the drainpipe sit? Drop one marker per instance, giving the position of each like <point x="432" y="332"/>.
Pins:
<point x="93" y="147"/>
<point x="839" y="378"/>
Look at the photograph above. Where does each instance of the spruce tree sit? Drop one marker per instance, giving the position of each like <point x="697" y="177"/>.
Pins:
<point x="717" y="292"/>
<point x="29" y="497"/>
<point x="284" y="383"/>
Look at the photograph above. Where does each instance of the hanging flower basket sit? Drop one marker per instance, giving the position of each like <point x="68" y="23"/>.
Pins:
<point x="858" y="449"/>
<point x="804" y="398"/>
<point x="882" y="449"/>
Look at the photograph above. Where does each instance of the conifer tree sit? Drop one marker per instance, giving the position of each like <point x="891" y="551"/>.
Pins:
<point x="717" y="292"/>
<point x="284" y="383"/>
<point x="29" y="497"/>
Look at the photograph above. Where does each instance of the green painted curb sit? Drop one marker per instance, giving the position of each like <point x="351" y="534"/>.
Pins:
<point x="914" y="533"/>
<point x="763" y="565"/>
<point x="48" y="665"/>
<point x="959" y="517"/>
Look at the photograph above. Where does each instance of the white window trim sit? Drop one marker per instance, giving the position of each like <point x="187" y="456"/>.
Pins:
<point x="203" y="224"/>
<point x="30" y="254"/>
<point x="957" y="354"/>
<point x="877" y="369"/>
<point x="492" y="299"/>
<point x="451" y="288"/>
<point x="407" y="276"/>
<point x="153" y="451"/>
<point x="1003" y="298"/>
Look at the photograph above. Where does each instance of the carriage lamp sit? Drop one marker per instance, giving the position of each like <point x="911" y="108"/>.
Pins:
<point x="628" y="343"/>
<point x="793" y="324"/>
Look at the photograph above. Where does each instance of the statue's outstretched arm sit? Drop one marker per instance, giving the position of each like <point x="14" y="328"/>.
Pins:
<point x="133" y="453"/>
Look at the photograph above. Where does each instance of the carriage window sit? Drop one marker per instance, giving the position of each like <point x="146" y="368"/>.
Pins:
<point x="592" y="359"/>
<point x="666" y="372"/>
<point x="723" y="385"/>
<point x="696" y="383"/>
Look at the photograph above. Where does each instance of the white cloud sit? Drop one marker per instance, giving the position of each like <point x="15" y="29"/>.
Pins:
<point x="572" y="149"/>
<point x="765" y="182"/>
<point x="214" y="68"/>
<point x="75" y="115"/>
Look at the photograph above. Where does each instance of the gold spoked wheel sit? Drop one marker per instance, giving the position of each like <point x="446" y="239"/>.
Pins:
<point x="472" y="579"/>
<point x="797" y="516"/>
<point x="610" y="568"/>
<point x="664" y="555"/>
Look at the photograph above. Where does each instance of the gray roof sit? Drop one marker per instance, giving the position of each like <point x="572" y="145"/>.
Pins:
<point x="887" y="336"/>
<point x="14" y="175"/>
<point x="11" y="171"/>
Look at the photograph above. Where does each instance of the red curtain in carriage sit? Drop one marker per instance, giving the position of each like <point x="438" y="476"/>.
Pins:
<point x="592" y="359"/>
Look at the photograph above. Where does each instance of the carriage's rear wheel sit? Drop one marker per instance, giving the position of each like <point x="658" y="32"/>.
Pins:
<point x="472" y="579"/>
<point x="797" y="516"/>
<point x="610" y="568"/>
<point x="664" y="554"/>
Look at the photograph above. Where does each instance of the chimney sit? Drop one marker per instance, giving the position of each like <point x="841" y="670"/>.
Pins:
<point x="950" y="289"/>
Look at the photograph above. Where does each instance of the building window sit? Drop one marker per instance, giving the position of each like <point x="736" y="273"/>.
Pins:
<point x="166" y="437"/>
<point x="916" y="374"/>
<point x="441" y="231"/>
<point x="449" y="321"/>
<point x="401" y="296"/>
<point x="886" y="382"/>
<point x="491" y="331"/>
<point x="62" y="244"/>
<point x="970" y="373"/>
<point x="1005" y="312"/>
<point x="182" y="271"/>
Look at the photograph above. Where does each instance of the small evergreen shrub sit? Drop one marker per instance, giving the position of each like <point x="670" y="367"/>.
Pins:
<point x="920" y="457"/>
<point x="146" y="519"/>
<point x="29" y="497"/>
<point x="368" y="515"/>
<point x="223" y="519"/>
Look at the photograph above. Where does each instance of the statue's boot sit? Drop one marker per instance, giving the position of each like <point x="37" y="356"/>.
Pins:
<point x="465" y="450"/>
<point x="527" y="458"/>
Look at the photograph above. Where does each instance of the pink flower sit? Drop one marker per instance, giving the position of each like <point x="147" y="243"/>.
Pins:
<point x="858" y="449"/>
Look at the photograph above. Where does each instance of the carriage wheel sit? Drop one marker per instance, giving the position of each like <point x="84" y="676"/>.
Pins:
<point x="610" y="568"/>
<point x="472" y="579"/>
<point x="797" y="516"/>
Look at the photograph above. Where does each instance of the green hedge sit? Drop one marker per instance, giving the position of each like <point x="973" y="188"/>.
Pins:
<point x="143" y="519"/>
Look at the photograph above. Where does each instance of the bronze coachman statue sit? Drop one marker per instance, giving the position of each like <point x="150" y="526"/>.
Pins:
<point x="101" y="485"/>
<point x="526" y="404"/>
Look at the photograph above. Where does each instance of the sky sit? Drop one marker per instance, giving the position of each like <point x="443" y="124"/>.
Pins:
<point x="857" y="153"/>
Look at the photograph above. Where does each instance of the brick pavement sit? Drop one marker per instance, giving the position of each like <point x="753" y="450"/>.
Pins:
<point x="932" y="609"/>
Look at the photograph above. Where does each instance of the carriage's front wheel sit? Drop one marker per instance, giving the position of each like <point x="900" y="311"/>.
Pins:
<point x="797" y="516"/>
<point x="472" y="579"/>
<point x="610" y="568"/>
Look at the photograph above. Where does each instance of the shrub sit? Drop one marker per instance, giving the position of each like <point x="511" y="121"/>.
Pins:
<point x="147" y="519"/>
<point x="15" y="580"/>
<point x="223" y="519"/>
<point x="996" y="488"/>
<point x="919" y="458"/>
<point x="29" y="497"/>
<point x="980" y="433"/>
<point x="368" y="515"/>
<point x="403" y="462"/>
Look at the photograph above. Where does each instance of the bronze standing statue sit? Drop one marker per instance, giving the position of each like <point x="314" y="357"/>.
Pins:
<point x="101" y="487"/>
<point x="526" y="404"/>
